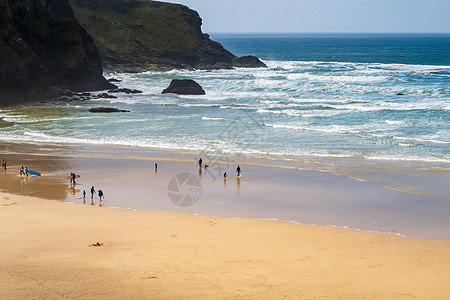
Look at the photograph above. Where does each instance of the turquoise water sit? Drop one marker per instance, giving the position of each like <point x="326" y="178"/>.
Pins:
<point x="371" y="97"/>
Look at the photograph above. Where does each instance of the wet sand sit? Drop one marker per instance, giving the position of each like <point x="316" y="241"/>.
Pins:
<point x="128" y="178"/>
<point x="47" y="253"/>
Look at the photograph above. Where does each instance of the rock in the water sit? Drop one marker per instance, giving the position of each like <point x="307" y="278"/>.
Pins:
<point x="248" y="62"/>
<point x="126" y="91"/>
<point x="184" y="87"/>
<point x="114" y="80"/>
<point x="106" y="110"/>
<point x="106" y="96"/>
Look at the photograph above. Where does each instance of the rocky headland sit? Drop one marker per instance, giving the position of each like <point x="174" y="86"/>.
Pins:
<point x="58" y="48"/>
<point x="142" y="35"/>
<point x="44" y="50"/>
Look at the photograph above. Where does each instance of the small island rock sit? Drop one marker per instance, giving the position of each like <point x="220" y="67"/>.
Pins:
<point x="184" y="87"/>
<point x="248" y="62"/>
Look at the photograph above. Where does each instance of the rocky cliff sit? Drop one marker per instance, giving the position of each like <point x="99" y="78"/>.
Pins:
<point x="43" y="49"/>
<point x="137" y="35"/>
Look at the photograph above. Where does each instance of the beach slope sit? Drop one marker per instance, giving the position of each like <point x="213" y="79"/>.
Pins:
<point x="47" y="252"/>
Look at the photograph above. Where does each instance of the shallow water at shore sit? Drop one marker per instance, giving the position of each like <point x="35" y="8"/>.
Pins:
<point x="128" y="178"/>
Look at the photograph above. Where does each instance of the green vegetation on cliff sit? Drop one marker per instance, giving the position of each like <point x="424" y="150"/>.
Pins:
<point x="157" y="27"/>
<point x="135" y="35"/>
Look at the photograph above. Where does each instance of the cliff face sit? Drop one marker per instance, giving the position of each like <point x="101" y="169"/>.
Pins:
<point x="136" y="35"/>
<point x="43" y="49"/>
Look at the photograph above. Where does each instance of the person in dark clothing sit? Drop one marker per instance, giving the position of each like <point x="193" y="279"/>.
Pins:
<point x="225" y="175"/>
<point x="100" y="194"/>
<point x="22" y="172"/>
<point x="200" y="162"/>
<point x="238" y="170"/>
<point x="73" y="178"/>
<point x="92" y="192"/>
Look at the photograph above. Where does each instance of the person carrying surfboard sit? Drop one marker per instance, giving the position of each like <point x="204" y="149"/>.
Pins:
<point x="26" y="171"/>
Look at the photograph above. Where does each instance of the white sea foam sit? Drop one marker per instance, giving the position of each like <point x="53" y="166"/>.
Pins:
<point x="199" y="105"/>
<point x="421" y="140"/>
<point x="213" y="119"/>
<point x="394" y="122"/>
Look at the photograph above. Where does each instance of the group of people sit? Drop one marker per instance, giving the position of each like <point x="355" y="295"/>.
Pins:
<point x="23" y="171"/>
<point x="238" y="169"/>
<point x="4" y="164"/>
<point x="72" y="178"/>
<point x="99" y="193"/>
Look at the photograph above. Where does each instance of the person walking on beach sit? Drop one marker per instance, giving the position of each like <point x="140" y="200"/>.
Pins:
<point x="100" y="194"/>
<point x="73" y="178"/>
<point x="156" y="167"/>
<point x="200" y="162"/>
<point x="92" y="192"/>
<point x="84" y="194"/>
<point x="238" y="171"/>
<point x="4" y="164"/>
<point x="21" y="170"/>
<point x="26" y="171"/>
<point x="225" y="176"/>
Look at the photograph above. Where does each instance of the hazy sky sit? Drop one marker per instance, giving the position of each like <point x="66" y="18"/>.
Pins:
<point x="322" y="15"/>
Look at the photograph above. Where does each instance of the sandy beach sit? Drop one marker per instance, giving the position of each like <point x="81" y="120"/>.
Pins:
<point x="128" y="179"/>
<point x="56" y="245"/>
<point x="47" y="253"/>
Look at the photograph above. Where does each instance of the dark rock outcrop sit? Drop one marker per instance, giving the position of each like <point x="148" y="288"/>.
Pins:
<point x="106" y="110"/>
<point x="44" y="51"/>
<point x="248" y="62"/>
<point x="126" y="91"/>
<point x="184" y="87"/>
<point x="150" y="35"/>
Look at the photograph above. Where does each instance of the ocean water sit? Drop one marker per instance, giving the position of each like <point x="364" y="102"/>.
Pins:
<point x="363" y="97"/>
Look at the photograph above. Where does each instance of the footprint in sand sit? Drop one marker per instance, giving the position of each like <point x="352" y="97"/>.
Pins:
<point x="8" y="201"/>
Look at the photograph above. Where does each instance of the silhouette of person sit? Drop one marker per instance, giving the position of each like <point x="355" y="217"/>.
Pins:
<point x="100" y="194"/>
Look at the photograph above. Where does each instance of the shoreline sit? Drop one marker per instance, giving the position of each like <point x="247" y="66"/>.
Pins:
<point x="265" y="192"/>
<point x="48" y="250"/>
<point x="371" y="170"/>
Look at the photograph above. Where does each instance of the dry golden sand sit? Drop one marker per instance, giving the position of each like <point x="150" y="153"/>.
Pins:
<point x="46" y="254"/>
